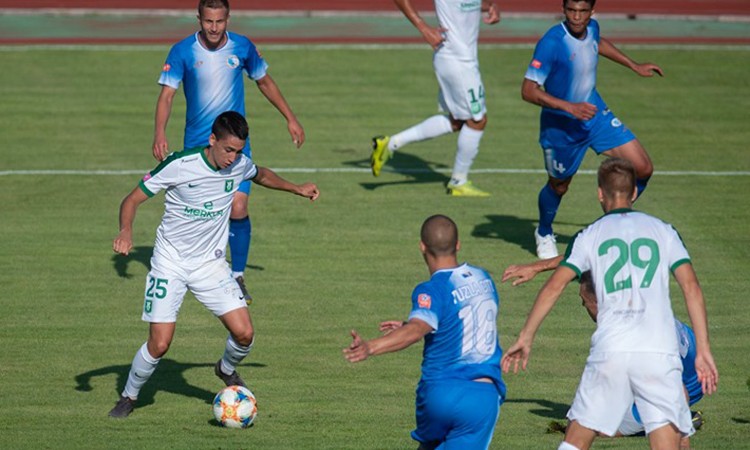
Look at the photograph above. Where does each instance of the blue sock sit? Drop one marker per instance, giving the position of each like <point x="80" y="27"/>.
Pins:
<point x="641" y="184"/>
<point x="239" y="242"/>
<point x="549" y="201"/>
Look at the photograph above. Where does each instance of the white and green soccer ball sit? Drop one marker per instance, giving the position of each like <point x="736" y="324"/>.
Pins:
<point x="235" y="407"/>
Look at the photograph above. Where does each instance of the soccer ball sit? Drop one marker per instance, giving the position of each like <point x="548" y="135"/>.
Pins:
<point x="235" y="407"/>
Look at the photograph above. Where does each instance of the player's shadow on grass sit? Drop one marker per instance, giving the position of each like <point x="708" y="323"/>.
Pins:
<point x="417" y="169"/>
<point x="142" y="255"/>
<point x="547" y="409"/>
<point x="515" y="230"/>
<point x="168" y="377"/>
<point x="137" y="254"/>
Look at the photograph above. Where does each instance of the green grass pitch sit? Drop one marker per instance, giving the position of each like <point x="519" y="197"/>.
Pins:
<point x="70" y="320"/>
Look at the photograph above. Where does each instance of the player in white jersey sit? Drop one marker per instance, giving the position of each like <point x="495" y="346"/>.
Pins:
<point x="634" y="353"/>
<point x="190" y="245"/>
<point x="455" y="311"/>
<point x="561" y="78"/>
<point x="210" y="65"/>
<point x="461" y="95"/>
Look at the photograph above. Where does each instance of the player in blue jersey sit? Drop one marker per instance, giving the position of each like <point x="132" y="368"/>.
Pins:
<point x="210" y="64"/>
<point x="461" y="388"/>
<point x="561" y="78"/>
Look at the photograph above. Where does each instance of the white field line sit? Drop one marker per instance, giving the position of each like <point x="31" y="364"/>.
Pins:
<point x="332" y="47"/>
<point x="677" y="173"/>
<point x="190" y="12"/>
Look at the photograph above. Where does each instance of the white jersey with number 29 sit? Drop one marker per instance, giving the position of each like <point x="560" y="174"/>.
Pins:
<point x="630" y="255"/>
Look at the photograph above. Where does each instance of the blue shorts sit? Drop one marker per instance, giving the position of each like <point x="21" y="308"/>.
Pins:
<point x="565" y="139"/>
<point x="245" y="185"/>
<point x="456" y="414"/>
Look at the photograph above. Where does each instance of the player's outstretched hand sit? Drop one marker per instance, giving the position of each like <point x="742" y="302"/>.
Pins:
<point x="522" y="273"/>
<point x="518" y="352"/>
<point x="648" y="70"/>
<point x="296" y="132"/>
<point x="309" y="190"/>
<point x="358" y="350"/>
<point x="390" y="325"/>
<point x="123" y="243"/>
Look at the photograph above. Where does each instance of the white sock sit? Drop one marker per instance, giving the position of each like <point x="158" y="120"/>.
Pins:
<point x="565" y="446"/>
<point x="468" y="147"/>
<point x="140" y="371"/>
<point x="234" y="353"/>
<point x="238" y="274"/>
<point x="430" y="128"/>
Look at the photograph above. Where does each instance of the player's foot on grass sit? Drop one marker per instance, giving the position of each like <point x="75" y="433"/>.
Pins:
<point x="230" y="380"/>
<point x="241" y="282"/>
<point x="546" y="246"/>
<point x="697" y="420"/>
<point x="380" y="153"/>
<point x="465" y="190"/>
<point x="123" y="408"/>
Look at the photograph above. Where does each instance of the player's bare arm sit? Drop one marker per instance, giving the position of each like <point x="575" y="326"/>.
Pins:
<point x="160" y="146"/>
<point x="433" y="35"/>
<point x="399" y="339"/>
<point x="390" y="325"/>
<point x="271" y="91"/>
<point x="123" y="243"/>
<point x="533" y="93"/>
<point x="492" y="12"/>
<point x="521" y="273"/>
<point x="549" y="294"/>
<point x="696" y="307"/>
<point x="268" y="178"/>
<point x="609" y="51"/>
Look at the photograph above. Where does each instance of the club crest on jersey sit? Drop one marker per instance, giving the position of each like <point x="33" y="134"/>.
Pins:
<point x="424" y="301"/>
<point x="233" y="61"/>
<point x="228" y="185"/>
<point x="535" y="63"/>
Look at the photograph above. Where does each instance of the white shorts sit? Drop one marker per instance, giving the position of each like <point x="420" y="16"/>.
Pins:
<point x="167" y="282"/>
<point x="630" y="426"/>
<point x="461" y="90"/>
<point x="611" y="382"/>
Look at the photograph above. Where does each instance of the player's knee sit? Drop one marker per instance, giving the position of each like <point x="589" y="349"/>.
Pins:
<point x="158" y="348"/>
<point x="560" y="188"/>
<point x="644" y="170"/>
<point x="245" y="336"/>
<point x="477" y="124"/>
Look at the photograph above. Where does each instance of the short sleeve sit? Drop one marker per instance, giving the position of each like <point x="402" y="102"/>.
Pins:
<point x="543" y="60"/>
<point x="255" y="66"/>
<point x="678" y="254"/>
<point x="424" y="306"/>
<point x="575" y="255"/>
<point x="162" y="177"/>
<point x="173" y="70"/>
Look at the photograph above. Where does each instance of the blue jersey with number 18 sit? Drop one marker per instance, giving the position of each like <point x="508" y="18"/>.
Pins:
<point x="461" y="305"/>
